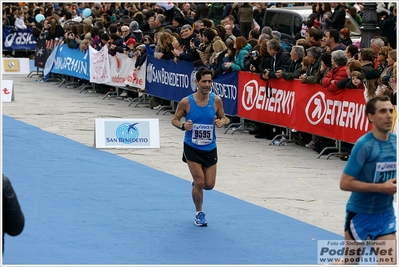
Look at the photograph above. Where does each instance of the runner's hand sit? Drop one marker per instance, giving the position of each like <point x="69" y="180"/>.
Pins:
<point x="188" y="125"/>
<point x="389" y="187"/>
<point x="218" y="122"/>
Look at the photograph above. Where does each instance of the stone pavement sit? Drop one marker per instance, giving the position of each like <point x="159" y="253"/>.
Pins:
<point x="288" y="179"/>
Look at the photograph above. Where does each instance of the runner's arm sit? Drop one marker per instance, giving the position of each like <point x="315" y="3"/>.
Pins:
<point x="349" y="183"/>
<point x="181" y="110"/>
<point x="220" y="120"/>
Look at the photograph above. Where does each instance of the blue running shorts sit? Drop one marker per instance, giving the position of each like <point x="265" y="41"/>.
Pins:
<point x="361" y="226"/>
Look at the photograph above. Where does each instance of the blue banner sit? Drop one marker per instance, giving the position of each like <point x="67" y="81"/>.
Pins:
<point x="168" y="80"/>
<point x="71" y="62"/>
<point x="226" y="86"/>
<point x="18" y="40"/>
<point x="171" y="81"/>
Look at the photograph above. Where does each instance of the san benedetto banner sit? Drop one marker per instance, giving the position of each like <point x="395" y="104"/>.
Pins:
<point x="126" y="133"/>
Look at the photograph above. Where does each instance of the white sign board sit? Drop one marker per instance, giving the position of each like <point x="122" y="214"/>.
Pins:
<point x="7" y="90"/>
<point x="126" y="133"/>
<point x="15" y="66"/>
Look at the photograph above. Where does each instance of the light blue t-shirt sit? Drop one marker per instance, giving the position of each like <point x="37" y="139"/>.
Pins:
<point x="203" y="135"/>
<point x="372" y="161"/>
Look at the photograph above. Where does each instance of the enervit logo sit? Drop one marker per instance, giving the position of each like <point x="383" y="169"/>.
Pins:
<point x="127" y="133"/>
<point x="321" y="110"/>
<point x="249" y="95"/>
<point x="256" y="96"/>
<point x="315" y="109"/>
<point x="192" y="81"/>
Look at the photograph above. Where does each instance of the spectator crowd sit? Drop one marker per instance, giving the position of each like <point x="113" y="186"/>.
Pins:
<point x="228" y="37"/>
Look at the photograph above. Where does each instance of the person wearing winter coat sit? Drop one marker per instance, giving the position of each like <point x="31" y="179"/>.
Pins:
<point x="280" y="59"/>
<point x="242" y="49"/>
<point x="338" y="71"/>
<point x="295" y="68"/>
<point x="387" y="26"/>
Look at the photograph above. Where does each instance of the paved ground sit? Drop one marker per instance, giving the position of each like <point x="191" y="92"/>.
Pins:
<point x="288" y="179"/>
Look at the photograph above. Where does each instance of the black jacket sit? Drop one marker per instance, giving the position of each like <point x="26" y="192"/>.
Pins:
<point x="283" y="61"/>
<point x="13" y="218"/>
<point x="338" y="18"/>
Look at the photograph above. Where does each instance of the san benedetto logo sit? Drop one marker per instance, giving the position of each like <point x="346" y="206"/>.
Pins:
<point x="127" y="133"/>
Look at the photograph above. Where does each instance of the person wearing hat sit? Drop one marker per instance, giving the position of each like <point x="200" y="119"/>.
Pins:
<point x="135" y="30"/>
<point x="128" y="48"/>
<point x="88" y="22"/>
<point x="177" y="23"/>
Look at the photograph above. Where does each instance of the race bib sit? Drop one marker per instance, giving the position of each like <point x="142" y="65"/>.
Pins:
<point x="202" y="134"/>
<point x="384" y="171"/>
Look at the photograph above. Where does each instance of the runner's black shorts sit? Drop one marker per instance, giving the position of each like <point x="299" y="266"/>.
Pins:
<point x="205" y="158"/>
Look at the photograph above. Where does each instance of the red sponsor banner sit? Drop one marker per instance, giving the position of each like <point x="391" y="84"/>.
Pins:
<point x="305" y="107"/>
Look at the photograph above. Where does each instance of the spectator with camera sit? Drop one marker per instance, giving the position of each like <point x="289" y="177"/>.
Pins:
<point x="252" y="59"/>
<point x="203" y="51"/>
<point x="280" y="59"/>
<point x="295" y="68"/>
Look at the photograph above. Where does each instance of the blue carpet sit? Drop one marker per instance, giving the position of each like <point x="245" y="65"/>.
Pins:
<point x="87" y="206"/>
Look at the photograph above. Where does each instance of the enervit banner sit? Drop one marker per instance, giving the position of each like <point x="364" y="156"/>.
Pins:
<point x="304" y="107"/>
<point x="18" y="40"/>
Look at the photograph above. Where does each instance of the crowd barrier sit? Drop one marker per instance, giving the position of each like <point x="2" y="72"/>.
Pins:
<point x="305" y="107"/>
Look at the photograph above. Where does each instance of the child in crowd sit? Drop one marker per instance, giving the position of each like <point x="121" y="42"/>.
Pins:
<point x="128" y="48"/>
<point x="357" y="80"/>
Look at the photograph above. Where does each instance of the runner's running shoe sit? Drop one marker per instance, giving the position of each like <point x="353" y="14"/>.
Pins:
<point x="200" y="219"/>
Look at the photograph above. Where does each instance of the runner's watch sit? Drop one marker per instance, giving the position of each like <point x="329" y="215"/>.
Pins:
<point x="182" y="127"/>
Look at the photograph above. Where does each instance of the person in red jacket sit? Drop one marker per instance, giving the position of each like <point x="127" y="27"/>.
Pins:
<point x="338" y="71"/>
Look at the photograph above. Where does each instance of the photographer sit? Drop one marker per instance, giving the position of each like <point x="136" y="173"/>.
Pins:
<point x="280" y="59"/>
<point x="71" y="40"/>
<point x="252" y="60"/>
<point x="203" y="51"/>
